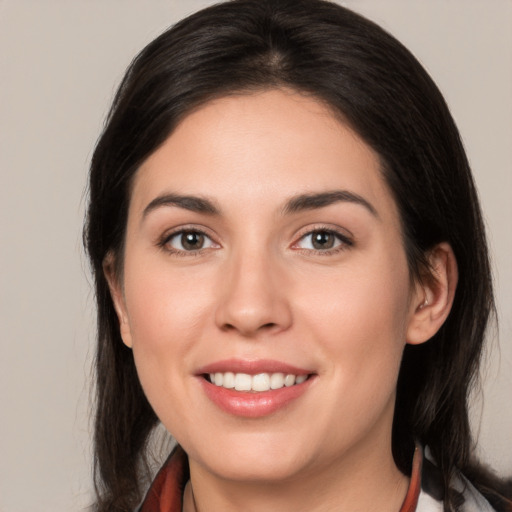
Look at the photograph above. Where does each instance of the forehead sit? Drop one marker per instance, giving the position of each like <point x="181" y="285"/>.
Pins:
<point x="261" y="147"/>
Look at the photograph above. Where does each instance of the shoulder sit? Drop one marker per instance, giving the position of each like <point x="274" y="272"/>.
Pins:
<point x="473" y="501"/>
<point x="432" y="492"/>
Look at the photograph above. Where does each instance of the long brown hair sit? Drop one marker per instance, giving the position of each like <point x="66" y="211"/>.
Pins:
<point x="377" y="86"/>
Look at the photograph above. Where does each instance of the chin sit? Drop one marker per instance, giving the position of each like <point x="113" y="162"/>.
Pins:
<point x="261" y="457"/>
<point x="255" y="467"/>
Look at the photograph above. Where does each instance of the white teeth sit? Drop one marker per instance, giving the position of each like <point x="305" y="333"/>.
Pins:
<point x="259" y="382"/>
<point x="243" y="382"/>
<point x="229" y="380"/>
<point x="300" y="379"/>
<point x="276" y="380"/>
<point x="289" y="380"/>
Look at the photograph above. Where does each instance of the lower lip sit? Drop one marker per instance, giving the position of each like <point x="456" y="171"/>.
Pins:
<point x="253" y="405"/>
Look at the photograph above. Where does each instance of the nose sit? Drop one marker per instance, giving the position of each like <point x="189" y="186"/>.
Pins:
<point x="253" y="296"/>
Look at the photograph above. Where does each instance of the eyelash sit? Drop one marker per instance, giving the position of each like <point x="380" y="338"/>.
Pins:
<point x="345" y="241"/>
<point x="163" y="242"/>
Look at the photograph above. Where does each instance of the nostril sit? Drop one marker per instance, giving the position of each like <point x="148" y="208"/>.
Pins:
<point x="264" y="327"/>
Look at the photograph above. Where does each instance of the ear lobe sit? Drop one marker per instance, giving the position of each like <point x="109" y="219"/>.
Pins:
<point x="117" y="295"/>
<point x="433" y="297"/>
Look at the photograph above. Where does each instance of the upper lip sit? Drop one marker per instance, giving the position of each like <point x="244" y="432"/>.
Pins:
<point x="252" y="367"/>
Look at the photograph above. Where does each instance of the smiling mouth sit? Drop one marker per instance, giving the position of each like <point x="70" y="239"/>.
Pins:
<point x="258" y="383"/>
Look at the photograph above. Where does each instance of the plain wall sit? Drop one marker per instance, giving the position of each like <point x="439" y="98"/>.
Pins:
<point x="60" y="61"/>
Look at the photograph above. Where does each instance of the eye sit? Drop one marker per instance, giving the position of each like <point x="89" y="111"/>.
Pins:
<point x="189" y="240"/>
<point x="324" y="240"/>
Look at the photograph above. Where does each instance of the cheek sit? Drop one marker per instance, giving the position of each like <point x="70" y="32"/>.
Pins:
<point x="358" y="320"/>
<point x="163" y="304"/>
<point x="166" y="312"/>
<point x="360" y="317"/>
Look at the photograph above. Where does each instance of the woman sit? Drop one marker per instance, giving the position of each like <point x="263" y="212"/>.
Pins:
<point x="291" y="272"/>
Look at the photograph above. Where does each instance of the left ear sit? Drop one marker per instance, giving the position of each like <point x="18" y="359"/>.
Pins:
<point x="433" y="296"/>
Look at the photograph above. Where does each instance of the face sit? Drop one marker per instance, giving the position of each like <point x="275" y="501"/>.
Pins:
<point x="264" y="253"/>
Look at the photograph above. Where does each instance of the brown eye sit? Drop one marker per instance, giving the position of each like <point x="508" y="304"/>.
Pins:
<point x="322" y="240"/>
<point x="192" y="240"/>
<point x="188" y="241"/>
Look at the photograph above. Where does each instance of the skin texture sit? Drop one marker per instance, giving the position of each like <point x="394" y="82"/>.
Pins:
<point x="258" y="289"/>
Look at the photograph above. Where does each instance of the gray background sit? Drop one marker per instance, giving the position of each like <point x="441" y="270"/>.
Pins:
<point x="60" y="61"/>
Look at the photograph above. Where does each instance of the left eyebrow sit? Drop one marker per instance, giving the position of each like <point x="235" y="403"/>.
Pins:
<point x="320" y="200"/>
<point x="192" y="203"/>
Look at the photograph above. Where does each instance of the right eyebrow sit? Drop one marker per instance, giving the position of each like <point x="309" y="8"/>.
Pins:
<point x="192" y="203"/>
<point x="323" y="199"/>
